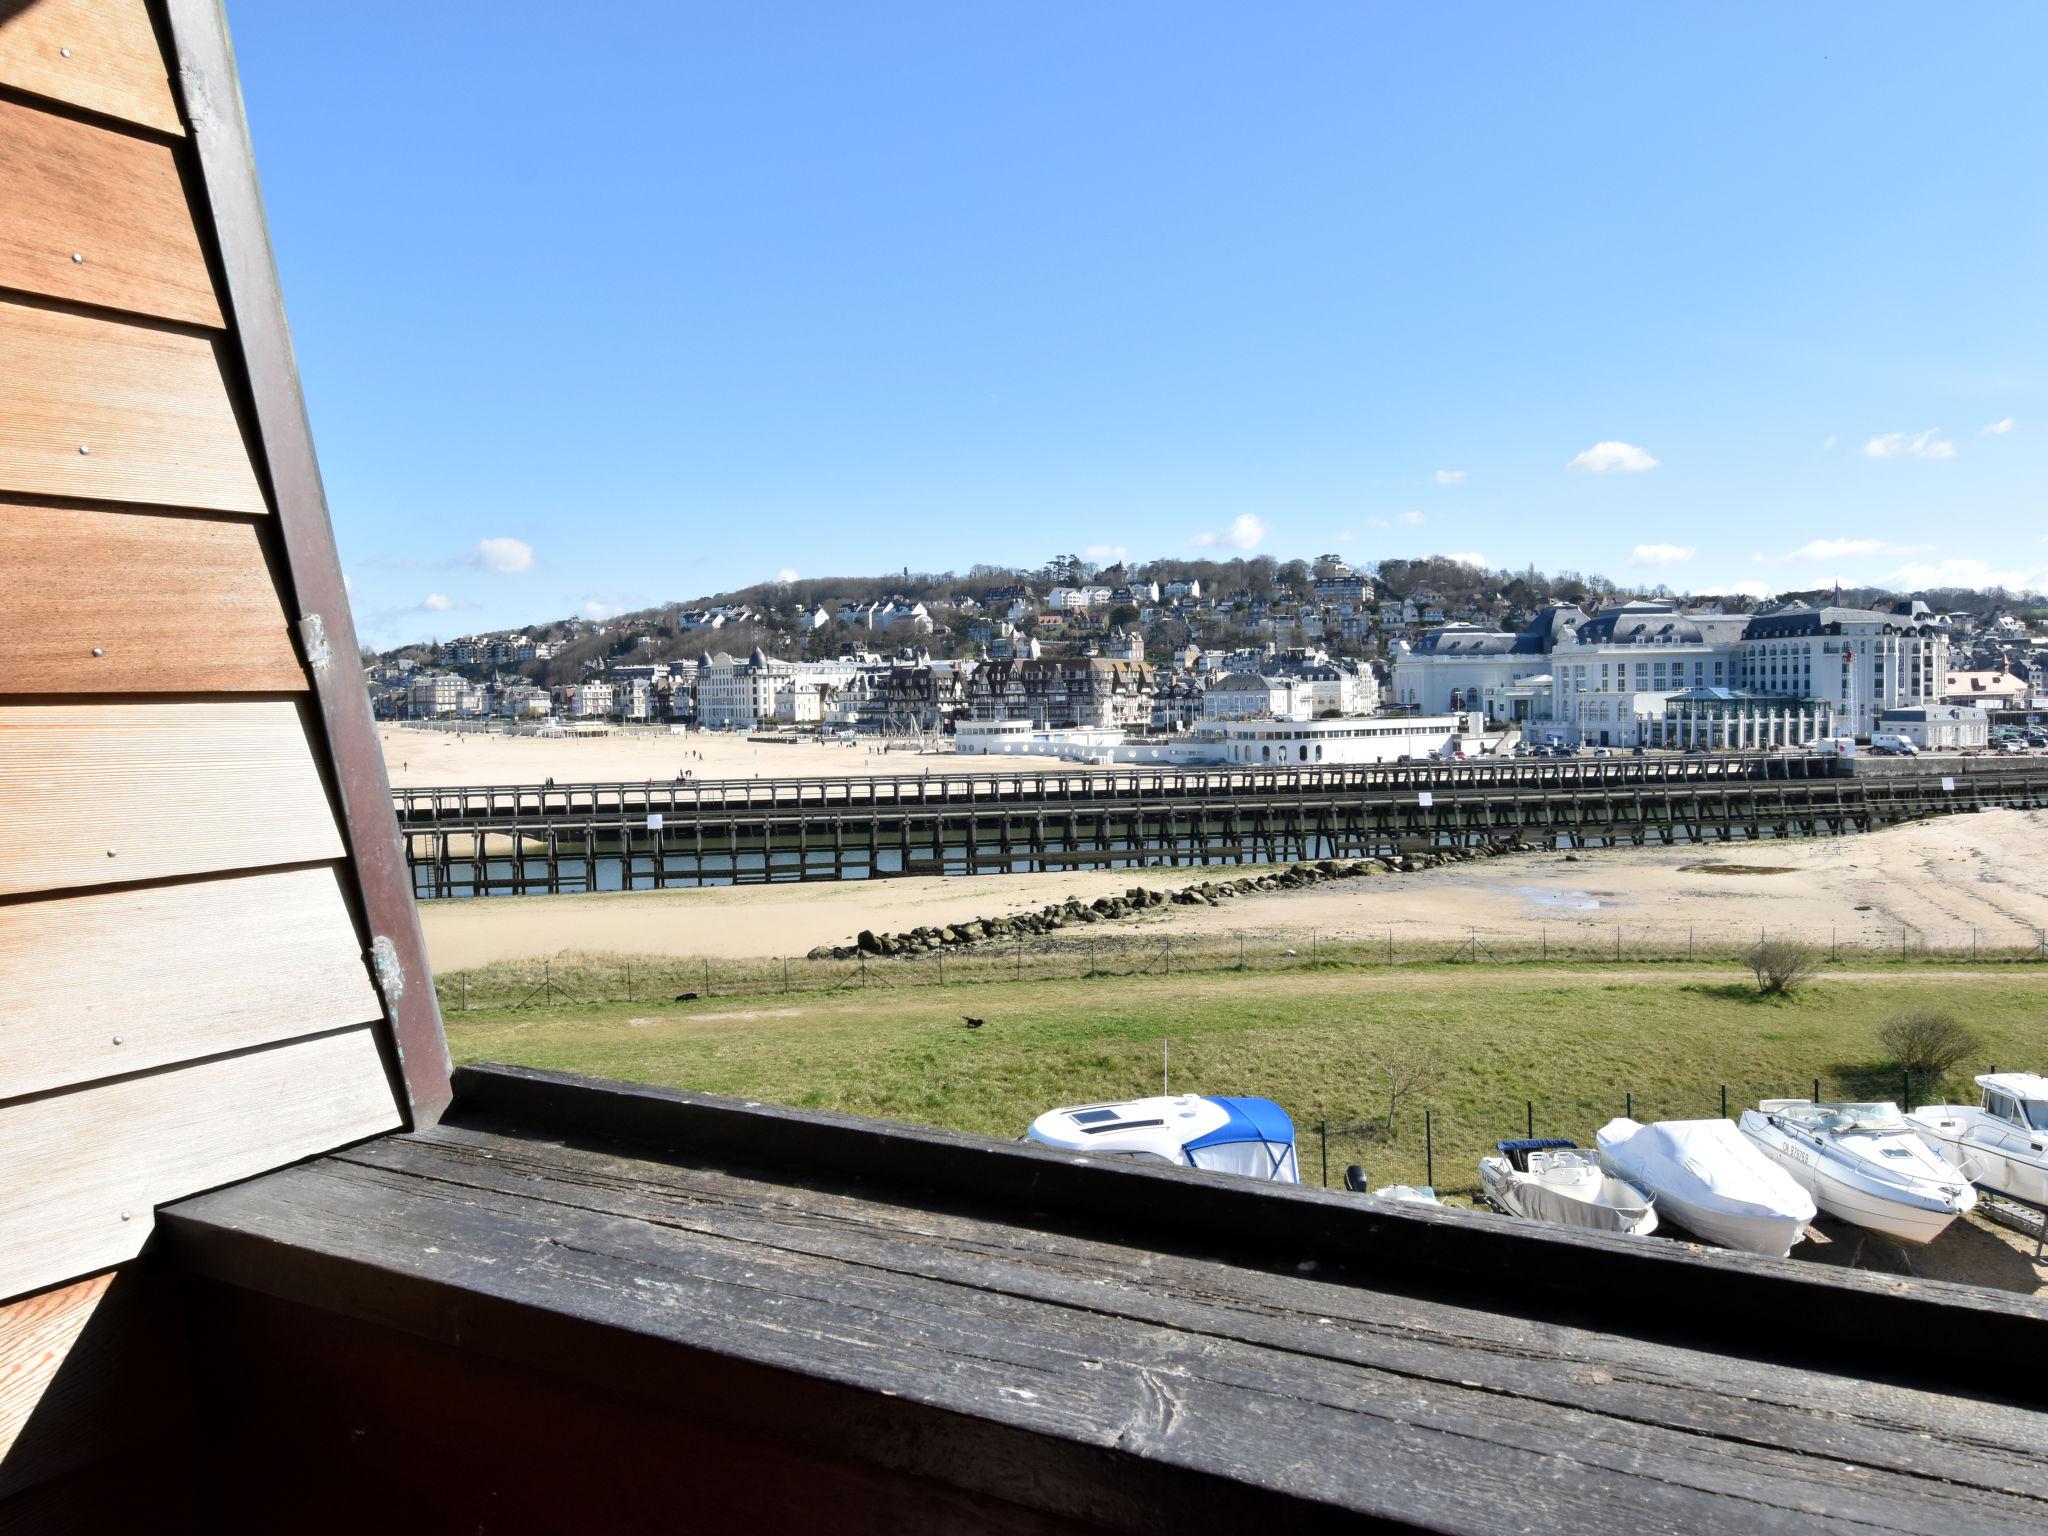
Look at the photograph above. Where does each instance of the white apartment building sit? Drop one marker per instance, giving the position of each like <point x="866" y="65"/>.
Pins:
<point x="739" y="695"/>
<point x="1611" y="677"/>
<point x="1249" y="696"/>
<point x="436" y="694"/>
<point x="589" y="701"/>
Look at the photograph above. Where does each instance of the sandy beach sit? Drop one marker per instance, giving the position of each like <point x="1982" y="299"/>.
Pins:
<point x="421" y="759"/>
<point x="1927" y="882"/>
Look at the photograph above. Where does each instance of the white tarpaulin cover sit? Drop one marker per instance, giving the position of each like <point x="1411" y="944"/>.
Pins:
<point x="1570" y="1188"/>
<point x="1710" y="1178"/>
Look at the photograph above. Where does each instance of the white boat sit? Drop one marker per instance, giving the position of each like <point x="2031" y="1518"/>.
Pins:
<point x="1863" y="1164"/>
<point x="2000" y="1143"/>
<point x="1548" y="1179"/>
<point x="1408" y="1194"/>
<point x="1709" y="1178"/>
<point x="1253" y="1137"/>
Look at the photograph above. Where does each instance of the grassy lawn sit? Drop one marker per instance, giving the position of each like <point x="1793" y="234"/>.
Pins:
<point x="1573" y="1040"/>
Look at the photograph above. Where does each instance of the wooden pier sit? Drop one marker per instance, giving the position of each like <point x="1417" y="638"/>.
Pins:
<point x="526" y="839"/>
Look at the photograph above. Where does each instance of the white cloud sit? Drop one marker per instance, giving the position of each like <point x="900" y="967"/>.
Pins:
<point x="507" y="557"/>
<point x="1999" y="428"/>
<point x="1824" y="447"/>
<point x="1469" y="558"/>
<point x="1657" y="556"/>
<point x="1245" y="532"/>
<point x="1920" y="445"/>
<point x="786" y="574"/>
<point x="1450" y="477"/>
<point x="1101" y="553"/>
<point x="1961" y="572"/>
<point x="1399" y="520"/>
<point x="1733" y="588"/>
<point x="1843" y="549"/>
<point x="1611" y="458"/>
<point x="438" y="602"/>
<point x="593" y="609"/>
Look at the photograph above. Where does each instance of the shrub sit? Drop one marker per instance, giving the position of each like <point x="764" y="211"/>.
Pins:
<point x="1926" y="1040"/>
<point x="1782" y="966"/>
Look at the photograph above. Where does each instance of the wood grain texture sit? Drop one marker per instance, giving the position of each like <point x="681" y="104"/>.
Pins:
<point x="101" y="55"/>
<point x="171" y="604"/>
<point x="177" y="972"/>
<point x="1296" y="1381"/>
<point x="37" y="1335"/>
<point x="98" y="217"/>
<point x="87" y="1168"/>
<point x="150" y="408"/>
<point x="99" y="794"/>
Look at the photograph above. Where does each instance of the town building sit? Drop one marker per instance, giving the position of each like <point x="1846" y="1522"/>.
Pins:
<point x="734" y="695"/>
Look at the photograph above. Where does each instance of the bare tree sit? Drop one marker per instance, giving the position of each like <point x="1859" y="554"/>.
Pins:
<point x="1928" y="1041"/>
<point x="1782" y="966"/>
<point x="1403" y="1072"/>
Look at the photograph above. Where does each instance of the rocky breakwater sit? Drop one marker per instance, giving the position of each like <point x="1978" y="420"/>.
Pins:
<point x="1073" y="913"/>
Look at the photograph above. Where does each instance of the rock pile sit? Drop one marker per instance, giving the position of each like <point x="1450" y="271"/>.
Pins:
<point x="1073" y="913"/>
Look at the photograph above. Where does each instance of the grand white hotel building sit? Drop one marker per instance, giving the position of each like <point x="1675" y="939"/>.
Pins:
<point x="1647" y="671"/>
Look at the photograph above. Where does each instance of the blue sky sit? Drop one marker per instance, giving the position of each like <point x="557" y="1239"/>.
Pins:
<point x="663" y="299"/>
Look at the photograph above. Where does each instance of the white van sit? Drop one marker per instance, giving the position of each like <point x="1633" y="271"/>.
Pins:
<point x="1834" y="746"/>
<point x="1892" y="744"/>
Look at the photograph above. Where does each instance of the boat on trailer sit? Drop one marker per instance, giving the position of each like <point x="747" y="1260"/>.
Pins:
<point x="1709" y="1178"/>
<point x="1862" y="1164"/>
<point x="1250" y="1137"/>
<point x="1999" y="1143"/>
<point x="1551" y="1179"/>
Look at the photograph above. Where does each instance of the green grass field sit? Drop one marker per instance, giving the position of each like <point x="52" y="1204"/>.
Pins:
<point x="1319" y="1039"/>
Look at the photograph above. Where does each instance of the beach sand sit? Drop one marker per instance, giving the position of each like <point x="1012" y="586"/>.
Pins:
<point x="1929" y="883"/>
<point x="420" y="759"/>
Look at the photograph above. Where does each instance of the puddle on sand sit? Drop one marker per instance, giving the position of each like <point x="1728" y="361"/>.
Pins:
<point x="1548" y="900"/>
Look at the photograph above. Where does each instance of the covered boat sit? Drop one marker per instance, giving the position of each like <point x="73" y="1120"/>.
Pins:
<point x="1861" y="1163"/>
<point x="1712" y="1180"/>
<point x="1253" y="1137"/>
<point x="1999" y="1143"/>
<point x="1549" y="1179"/>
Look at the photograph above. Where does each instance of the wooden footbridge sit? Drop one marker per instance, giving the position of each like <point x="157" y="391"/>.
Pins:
<point x="515" y="839"/>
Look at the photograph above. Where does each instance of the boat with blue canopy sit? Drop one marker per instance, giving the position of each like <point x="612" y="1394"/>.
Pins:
<point x="1246" y="1136"/>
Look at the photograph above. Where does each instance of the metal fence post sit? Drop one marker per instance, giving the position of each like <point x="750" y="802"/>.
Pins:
<point x="1617" y="941"/>
<point x="465" y="991"/>
<point x="1323" y="1137"/>
<point x="1020" y="957"/>
<point x="785" y="973"/>
<point x="1724" y="1101"/>
<point x="707" y="975"/>
<point x="1428" y="1149"/>
<point x="1628" y="1104"/>
<point x="941" y="955"/>
<point x="1906" y="1090"/>
<point x="1530" y="1105"/>
<point x="1816" y="1090"/>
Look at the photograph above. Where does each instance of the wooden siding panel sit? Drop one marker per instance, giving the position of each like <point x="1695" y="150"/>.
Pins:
<point x="174" y="975"/>
<point x="101" y="55"/>
<point x="98" y="217"/>
<point x="149" y="408"/>
<point x="100" y="794"/>
<point x="86" y="1169"/>
<point x="116" y="602"/>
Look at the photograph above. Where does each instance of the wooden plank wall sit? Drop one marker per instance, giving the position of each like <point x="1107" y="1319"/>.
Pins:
<point x="187" y="999"/>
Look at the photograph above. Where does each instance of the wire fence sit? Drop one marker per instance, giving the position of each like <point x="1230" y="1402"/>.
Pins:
<point x="1440" y="1146"/>
<point x="1088" y="953"/>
